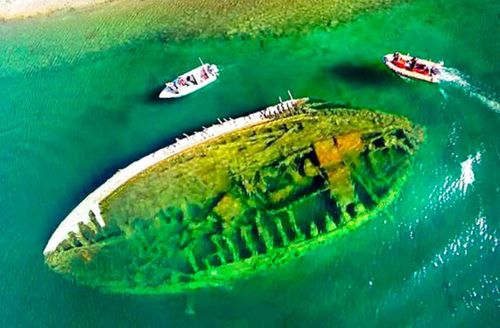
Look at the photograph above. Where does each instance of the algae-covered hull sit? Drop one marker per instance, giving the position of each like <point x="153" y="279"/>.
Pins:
<point x="252" y="198"/>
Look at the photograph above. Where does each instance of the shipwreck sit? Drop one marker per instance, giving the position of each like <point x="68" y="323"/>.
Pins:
<point x="239" y="197"/>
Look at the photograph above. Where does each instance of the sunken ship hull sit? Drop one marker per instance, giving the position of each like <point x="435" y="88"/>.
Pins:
<point x="243" y="201"/>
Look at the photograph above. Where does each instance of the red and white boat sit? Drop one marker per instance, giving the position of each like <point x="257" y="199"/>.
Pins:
<point x="413" y="67"/>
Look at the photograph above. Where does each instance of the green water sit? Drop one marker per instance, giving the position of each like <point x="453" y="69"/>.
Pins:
<point x="430" y="260"/>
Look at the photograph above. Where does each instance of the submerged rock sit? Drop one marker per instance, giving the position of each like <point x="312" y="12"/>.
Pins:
<point x="249" y="199"/>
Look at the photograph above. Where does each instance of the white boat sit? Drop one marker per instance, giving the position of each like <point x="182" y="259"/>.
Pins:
<point x="413" y="67"/>
<point x="191" y="81"/>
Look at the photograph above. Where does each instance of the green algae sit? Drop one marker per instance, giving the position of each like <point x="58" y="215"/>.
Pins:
<point x="249" y="200"/>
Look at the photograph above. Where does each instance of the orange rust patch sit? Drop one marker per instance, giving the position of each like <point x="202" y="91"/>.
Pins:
<point x="228" y="207"/>
<point x="327" y="152"/>
<point x="340" y="184"/>
<point x="349" y="142"/>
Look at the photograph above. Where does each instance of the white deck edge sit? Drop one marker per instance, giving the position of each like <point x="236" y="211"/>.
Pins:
<point x="91" y="202"/>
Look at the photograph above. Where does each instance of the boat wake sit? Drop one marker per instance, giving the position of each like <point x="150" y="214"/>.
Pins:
<point x="455" y="78"/>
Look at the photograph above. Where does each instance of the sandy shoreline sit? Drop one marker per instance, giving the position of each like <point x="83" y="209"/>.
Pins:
<point x="18" y="9"/>
<point x="252" y="12"/>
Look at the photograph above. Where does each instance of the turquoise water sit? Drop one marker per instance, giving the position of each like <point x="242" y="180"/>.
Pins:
<point x="430" y="260"/>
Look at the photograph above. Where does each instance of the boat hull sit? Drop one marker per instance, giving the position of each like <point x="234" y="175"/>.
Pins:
<point x="412" y="74"/>
<point x="189" y="87"/>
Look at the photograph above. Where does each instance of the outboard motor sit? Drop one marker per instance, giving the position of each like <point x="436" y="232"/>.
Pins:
<point x="435" y="70"/>
<point x="213" y="69"/>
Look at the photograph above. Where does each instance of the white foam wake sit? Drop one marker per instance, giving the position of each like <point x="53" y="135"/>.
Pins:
<point x="467" y="173"/>
<point x="454" y="77"/>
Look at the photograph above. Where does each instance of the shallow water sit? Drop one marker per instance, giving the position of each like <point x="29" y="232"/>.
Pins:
<point x="430" y="259"/>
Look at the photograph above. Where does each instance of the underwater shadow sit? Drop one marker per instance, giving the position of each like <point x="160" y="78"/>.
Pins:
<point x="151" y="97"/>
<point x="365" y="74"/>
<point x="321" y="103"/>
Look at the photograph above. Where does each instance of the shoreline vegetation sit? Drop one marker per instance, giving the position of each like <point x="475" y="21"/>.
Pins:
<point x="68" y="34"/>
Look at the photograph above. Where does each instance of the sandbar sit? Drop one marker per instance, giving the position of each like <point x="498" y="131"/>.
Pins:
<point x="15" y="9"/>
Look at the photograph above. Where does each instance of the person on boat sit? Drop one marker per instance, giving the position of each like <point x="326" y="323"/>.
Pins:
<point x="398" y="60"/>
<point x="191" y="80"/>
<point x="413" y="62"/>
<point x="434" y="70"/>
<point x="396" y="57"/>
<point x="203" y="74"/>
<point x="172" y="86"/>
